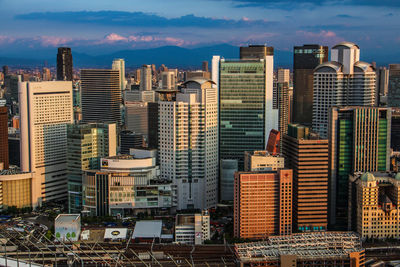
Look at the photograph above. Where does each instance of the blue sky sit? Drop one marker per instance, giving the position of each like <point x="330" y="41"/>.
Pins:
<point x="103" y="25"/>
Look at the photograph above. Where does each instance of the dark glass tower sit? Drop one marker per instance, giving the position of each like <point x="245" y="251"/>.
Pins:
<point x="64" y="64"/>
<point x="306" y="58"/>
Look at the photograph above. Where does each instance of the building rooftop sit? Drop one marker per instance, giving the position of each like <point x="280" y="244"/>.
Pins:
<point x="67" y="218"/>
<point x="116" y="233"/>
<point x="147" y="229"/>
<point x="306" y="246"/>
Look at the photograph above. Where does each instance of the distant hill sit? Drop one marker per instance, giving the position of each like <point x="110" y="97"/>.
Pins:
<point x="171" y="56"/>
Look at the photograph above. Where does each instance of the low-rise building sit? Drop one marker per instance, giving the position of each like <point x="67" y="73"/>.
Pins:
<point x="192" y="229"/>
<point x="67" y="227"/>
<point x="374" y="209"/>
<point x="126" y="184"/>
<point x="15" y="188"/>
<point x="305" y="249"/>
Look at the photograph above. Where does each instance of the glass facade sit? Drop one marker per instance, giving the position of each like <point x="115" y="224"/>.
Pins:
<point x="362" y="145"/>
<point x="241" y="108"/>
<point x="87" y="143"/>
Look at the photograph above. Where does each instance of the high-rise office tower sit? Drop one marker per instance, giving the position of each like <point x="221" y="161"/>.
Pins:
<point x="228" y="167"/>
<point x="382" y="85"/>
<point x="204" y="66"/>
<point x="359" y="141"/>
<point x="246" y="113"/>
<point x="86" y="145"/>
<point x="152" y="125"/>
<point x="394" y="86"/>
<point x="5" y="70"/>
<point x="395" y="130"/>
<point x="119" y="64"/>
<point x="188" y="144"/>
<point x="64" y="64"/>
<point x="263" y="204"/>
<point x="254" y="52"/>
<point x="306" y="59"/>
<point x="136" y="117"/>
<point x="146" y="78"/>
<point x="129" y="139"/>
<point x="46" y="74"/>
<point x="3" y="138"/>
<point x="283" y="76"/>
<point x="343" y="81"/>
<point x="100" y="95"/>
<point x="45" y="110"/>
<point x="307" y="155"/>
<point x="282" y="104"/>
<point x="168" y="79"/>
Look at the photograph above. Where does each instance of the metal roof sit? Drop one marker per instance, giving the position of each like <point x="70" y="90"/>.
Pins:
<point x="147" y="229"/>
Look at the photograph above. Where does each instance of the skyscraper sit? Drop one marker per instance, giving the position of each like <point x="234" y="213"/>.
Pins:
<point x="45" y="110"/>
<point x="282" y="104"/>
<point x="136" y="117"/>
<point x="188" y="144"/>
<point x="306" y="58"/>
<point x="283" y="75"/>
<point x="343" y="81"/>
<point x="254" y="52"/>
<point x="100" y="95"/>
<point x="307" y="155"/>
<point x="146" y="78"/>
<point x="246" y="113"/>
<point x="86" y="145"/>
<point x="3" y="138"/>
<point x="383" y="85"/>
<point x="168" y="79"/>
<point x="119" y="64"/>
<point x="204" y="66"/>
<point x="64" y="64"/>
<point x="394" y="86"/>
<point x="359" y="141"/>
<point x="263" y="204"/>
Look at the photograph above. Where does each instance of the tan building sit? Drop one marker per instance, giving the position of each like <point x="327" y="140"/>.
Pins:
<point x="263" y="204"/>
<point x="262" y="161"/>
<point x="307" y="155"/>
<point x="374" y="209"/>
<point x="15" y="189"/>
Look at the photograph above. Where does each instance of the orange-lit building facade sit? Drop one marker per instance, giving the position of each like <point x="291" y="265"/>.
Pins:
<point x="263" y="204"/>
<point x="273" y="142"/>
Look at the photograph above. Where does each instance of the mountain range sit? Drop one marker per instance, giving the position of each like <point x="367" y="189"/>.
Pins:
<point x="171" y="56"/>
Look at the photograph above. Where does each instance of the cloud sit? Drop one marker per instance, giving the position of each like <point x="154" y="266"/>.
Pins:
<point x="290" y="4"/>
<point x="140" y="19"/>
<point x="323" y="36"/>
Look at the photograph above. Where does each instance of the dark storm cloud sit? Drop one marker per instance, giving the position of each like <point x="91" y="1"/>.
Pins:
<point x="140" y="19"/>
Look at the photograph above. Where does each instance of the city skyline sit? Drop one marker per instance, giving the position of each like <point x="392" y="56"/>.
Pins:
<point x="103" y="28"/>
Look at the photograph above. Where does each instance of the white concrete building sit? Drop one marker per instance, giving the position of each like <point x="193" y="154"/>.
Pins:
<point x="188" y="144"/>
<point x="343" y="81"/>
<point x="45" y="110"/>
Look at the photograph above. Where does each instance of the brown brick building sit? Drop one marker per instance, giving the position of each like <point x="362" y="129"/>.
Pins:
<point x="307" y="156"/>
<point x="263" y="204"/>
<point x="4" y="137"/>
